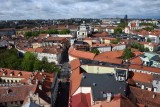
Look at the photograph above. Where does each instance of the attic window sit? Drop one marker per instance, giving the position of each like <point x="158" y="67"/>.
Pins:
<point x="19" y="74"/>
<point x="12" y="73"/>
<point x="4" y="73"/>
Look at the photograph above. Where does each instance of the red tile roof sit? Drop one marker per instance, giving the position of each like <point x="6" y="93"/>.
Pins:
<point x="118" y="101"/>
<point x="15" y="93"/>
<point x="81" y="54"/>
<point x="103" y="34"/>
<point x="81" y="100"/>
<point x="144" y="32"/>
<point x="75" y="80"/>
<point x="144" y="68"/>
<point x="111" y="54"/>
<point x="141" y="77"/>
<point x="109" y="60"/>
<point x="145" y="97"/>
<point x="74" y="64"/>
<point x="15" y="73"/>
<point x="136" y="60"/>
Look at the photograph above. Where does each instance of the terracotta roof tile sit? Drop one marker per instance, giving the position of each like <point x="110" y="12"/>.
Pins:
<point x="61" y="39"/>
<point x="110" y="54"/>
<point x="16" y="93"/>
<point x="136" y="60"/>
<point x="81" y="54"/>
<point x="145" y="97"/>
<point x="81" y="100"/>
<point x="109" y="60"/>
<point x="117" y="101"/>
<point x="144" y="68"/>
<point x="103" y="34"/>
<point x="14" y="73"/>
<point x="141" y="77"/>
<point x="75" y="64"/>
<point x="75" y="80"/>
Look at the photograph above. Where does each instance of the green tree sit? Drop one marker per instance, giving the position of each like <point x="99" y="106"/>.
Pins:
<point x="148" y="40"/>
<point x="66" y="31"/>
<point x="118" y="30"/>
<point x="95" y="50"/>
<point x="149" y="28"/>
<point x="38" y="65"/>
<point x="146" y="49"/>
<point x="28" y="34"/>
<point x="123" y="24"/>
<point x="28" y="61"/>
<point x="9" y="59"/>
<point x="127" y="54"/>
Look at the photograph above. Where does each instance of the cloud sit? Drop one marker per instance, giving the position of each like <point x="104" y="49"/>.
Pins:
<point x="49" y="9"/>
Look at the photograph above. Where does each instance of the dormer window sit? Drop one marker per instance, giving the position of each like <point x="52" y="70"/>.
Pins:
<point x="4" y="73"/>
<point x="19" y="74"/>
<point x="12" y="73"/>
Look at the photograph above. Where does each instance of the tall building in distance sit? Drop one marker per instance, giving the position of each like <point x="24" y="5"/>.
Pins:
<point x="126" y="17"/>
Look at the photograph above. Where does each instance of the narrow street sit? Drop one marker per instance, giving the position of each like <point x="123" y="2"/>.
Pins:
<point x="63" y="92"/>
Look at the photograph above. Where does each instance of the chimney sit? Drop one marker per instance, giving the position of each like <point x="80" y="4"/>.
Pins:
<point x="94" y="84"/>
<point x="109" y="96"/>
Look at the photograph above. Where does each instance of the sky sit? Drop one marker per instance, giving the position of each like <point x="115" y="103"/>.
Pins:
<point x="64" y="9"/>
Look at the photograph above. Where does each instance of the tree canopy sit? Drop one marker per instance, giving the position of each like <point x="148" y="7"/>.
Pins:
<point x="148" y="40"/>
<point x="50" y="31"/>
<point x="10" y="59"/>
<point x="118" y="30"/>
<point x="95" y="50"/>
<point x="139" y="47"/>
<point x="127" y="54"/>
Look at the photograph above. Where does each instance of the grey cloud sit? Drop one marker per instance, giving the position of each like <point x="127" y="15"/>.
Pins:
<point x="18" y="9"/>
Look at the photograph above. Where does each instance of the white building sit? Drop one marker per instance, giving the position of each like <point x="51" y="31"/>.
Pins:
<point x="83" y="31"/>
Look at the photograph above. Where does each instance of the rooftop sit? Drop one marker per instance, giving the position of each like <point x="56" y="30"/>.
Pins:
<point x="102" y="84"/>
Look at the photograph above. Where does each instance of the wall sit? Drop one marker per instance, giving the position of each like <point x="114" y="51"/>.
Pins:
<point x="104" y="49"/>
<point x="119" y="47"/>
<point x="50" y="57"/>
<point x="98" y="69"/>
